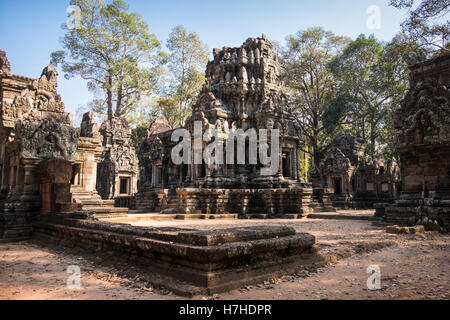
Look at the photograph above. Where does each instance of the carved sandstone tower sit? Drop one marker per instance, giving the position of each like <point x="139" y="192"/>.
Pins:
<point x="422" y="124"/>
<point x="34" y="128"/>
<point x="243" y="90"/>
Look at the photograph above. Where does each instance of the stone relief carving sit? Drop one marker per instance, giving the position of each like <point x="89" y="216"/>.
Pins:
<point x="424" y="115"/>
<point x="49" y="138"/>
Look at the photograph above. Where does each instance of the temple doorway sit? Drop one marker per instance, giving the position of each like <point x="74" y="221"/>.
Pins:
<point x="286" y="166"/>
<point x="338" y="186"/>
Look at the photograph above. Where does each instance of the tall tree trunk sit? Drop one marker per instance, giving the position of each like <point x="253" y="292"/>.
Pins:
<point x="372" y="138"/>
<point x="118" y="112"/>
<point x="110" y="98"/>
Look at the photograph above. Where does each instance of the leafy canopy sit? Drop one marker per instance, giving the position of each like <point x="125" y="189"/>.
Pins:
<point x="113" y="50"/>
<point x="185" y="63"/>
<point x="428" y="21"/>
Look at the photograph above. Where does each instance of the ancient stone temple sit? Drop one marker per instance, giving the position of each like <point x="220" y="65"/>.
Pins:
<point x="89" y="151"/>
<point x="118" y="169"/>
<point x="422" y="124"/>
<point x="34" y="127"/>
<point x="84" y="172"/>
<point x="242" y="91"/>
<point x="358" y="180"/>
<point x="156" y="177"/>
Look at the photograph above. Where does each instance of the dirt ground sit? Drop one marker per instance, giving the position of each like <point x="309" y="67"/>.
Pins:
<point x="411" y="267"/>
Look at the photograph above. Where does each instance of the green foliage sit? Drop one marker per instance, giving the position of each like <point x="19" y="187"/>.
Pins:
<point x="138" y="135"/>
<point x="369" y="82"/>
<point x="114" y="51"/>
<point x="311" y="85"/>
<point x="185" y="65"/>
<point x="428" y="22"/>
<point x="339" y="86"/>
<point x="396" y="55"/>
<point x="169" y="108"/>
<point x="305" y="164"/>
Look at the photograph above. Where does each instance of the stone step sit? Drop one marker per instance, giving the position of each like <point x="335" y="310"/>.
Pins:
<point x="255" y="216"/>
<point x="107" y="210"/>
<point x="110" y="215"/>
<point x="341" y="216"/>
<point x="98" y="203"/>
<point x="288" y="216"/>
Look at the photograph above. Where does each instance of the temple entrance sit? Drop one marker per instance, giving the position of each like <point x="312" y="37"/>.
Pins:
<point x="184" y="172"/>
<point x="125" y="186"/>
<point x="76" y="176"/>
<point x="286" y="166"/>
<point x="337" y="183"/>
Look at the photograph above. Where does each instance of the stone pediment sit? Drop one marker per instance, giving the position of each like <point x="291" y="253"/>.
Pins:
<point x="159" y="126"/>
<point x="49" y="138"/>
<point x="335" y="162"/>
<point x="424" y="116"/>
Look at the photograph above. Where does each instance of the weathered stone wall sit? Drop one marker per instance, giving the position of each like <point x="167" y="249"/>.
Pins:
<point x="422" y="124"/>
<point x="33" y="128"/>
<point x="84" y="172"/>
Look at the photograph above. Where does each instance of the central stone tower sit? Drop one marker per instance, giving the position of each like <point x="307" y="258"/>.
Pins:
<point x="243" y="90"/>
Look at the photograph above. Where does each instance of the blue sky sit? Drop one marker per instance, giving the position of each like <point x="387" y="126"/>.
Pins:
<point x="30" y="29"/>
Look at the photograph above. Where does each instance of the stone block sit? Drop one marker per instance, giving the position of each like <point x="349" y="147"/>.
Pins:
<point x="405" y="230"/>
<point x="207" y="262"/>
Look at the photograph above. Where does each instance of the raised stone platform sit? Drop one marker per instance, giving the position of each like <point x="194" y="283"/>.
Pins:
<point x="134" y="217"/>
<point x="197" y="262"/>
<point x="244" y="202"/>
<point x="343" y="216"/>
<point x="408" y="212"/>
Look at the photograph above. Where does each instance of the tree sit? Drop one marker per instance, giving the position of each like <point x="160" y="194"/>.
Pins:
<point x="428" y="21"/>
<point x="397" y="53"/>
<point x="371" y="79"/>
<point x="114" y="51"/>
<point x="311" y="85"/>
<point x="185" y="63"/>
<point x="140" y="119"/>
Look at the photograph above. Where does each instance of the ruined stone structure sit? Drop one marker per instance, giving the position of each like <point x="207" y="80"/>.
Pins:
<point x="119" y="168"/>
<point x="155" y="177"/>
<point x="89" y="151"/>
<point x="422" y="124"/>
<point x="193" y="262"/>
<point x="242" y="91"/>
<point x="34" y="127"/>
<point x="358" y="180"/>
<point x="49" y="168"/>
<point x="84" y="171"/>
<point x="54" y="178"/>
